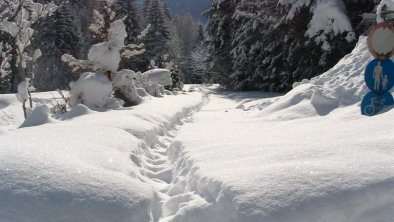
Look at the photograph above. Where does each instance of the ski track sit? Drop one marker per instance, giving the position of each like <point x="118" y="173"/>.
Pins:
<point x="159" y="167"/>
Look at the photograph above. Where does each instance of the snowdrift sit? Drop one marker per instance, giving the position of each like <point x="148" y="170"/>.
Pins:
<point x="82" y="169"/>
<point x="340" y="87"/>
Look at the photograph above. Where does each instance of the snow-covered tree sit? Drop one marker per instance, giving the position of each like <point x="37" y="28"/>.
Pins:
<point x="17" y="19"/>
<point x="128" y="9"/>
<point x="190" y="36"/>
<point x="219" y="32"/>
<point x="199" y="65"/>
<point x="156" y="41"/>
<point x="260" y="44"/>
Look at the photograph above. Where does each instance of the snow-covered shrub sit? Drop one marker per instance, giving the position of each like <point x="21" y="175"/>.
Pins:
<point x="153" y="89"/>
<point x="159" y="76"/>
<point x="142" y="92"/>
<point x="39" y="116"/>
<point x="125" y="89"/>
<point x="92" y="89"/>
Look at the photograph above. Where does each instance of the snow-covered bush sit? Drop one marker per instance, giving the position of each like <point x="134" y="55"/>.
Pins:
<point x="92" y="89"/>
<point x="154" y="89"/>
<point x="125" y="89"/>
<point x="159" y="76"/>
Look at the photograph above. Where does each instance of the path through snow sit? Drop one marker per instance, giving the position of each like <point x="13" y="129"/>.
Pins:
<point x="157" y="169"/>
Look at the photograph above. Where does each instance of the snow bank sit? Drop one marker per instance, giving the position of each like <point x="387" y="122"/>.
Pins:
<point x="81" y="170"/>
<point x="340" y="87"/>
<point x="11" y="112"/>
<point x="159" y="76"/>
<point x="78" y="110"/>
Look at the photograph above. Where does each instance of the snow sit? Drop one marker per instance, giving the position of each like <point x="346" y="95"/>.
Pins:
<point x="382" y="41"/>
<point x="91" y="89"/>
<point x="390" y="7"/>
<point x="106" y="55"/>
<point x="23" y="94"/>
<point x="39" y="116"/>
<point x="208" y="155"/>
<point x="306" y="156"/>
<point x="9" y="27"/>
<point x="159" y="76"/>
<point x="329" y="18"/>
<point x="82" y="169"/>
<point x="124" y="83"/>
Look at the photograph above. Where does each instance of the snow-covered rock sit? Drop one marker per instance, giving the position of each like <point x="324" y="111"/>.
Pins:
<point x="91" y="89"/>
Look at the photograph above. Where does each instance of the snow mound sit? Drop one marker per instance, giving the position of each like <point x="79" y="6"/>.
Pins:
<point x="92" y="89"/>
<point x="76" y="111"/>
<point x="341" y="86"/>
<point x="39" y="116"/>
<point x="159" y="76"/>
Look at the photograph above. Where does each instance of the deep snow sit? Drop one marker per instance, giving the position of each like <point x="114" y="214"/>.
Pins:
<point x="308" y="155"/>
<point x="82" y="169"/>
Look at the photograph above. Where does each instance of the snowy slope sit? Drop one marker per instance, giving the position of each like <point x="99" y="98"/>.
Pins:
<point x="82" y="169"/>
<point x="341" y="87"/>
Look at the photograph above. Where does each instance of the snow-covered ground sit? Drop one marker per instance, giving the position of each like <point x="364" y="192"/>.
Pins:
<point x="207" y="155"/>
<point x="87" y="168"/>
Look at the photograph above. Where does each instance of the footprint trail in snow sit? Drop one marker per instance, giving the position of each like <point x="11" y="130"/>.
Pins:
<point x="158" y="168"/>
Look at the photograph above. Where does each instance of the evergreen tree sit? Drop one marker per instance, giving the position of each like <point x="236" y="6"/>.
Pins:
<point x="188" y="31"/>
<point x="128" y="9"/>
<point x="156" y="41"/>
<point x="219" y="31"/>
<point x="5" y="72"/>
<point x="59" y="34"/>
<point x="258" y="44"/>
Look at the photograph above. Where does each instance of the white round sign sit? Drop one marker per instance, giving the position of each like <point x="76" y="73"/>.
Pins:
<point x="381" y="41"/>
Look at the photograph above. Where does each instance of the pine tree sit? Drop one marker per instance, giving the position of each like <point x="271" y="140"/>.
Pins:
<point x="59" y="34"/>
<point x="128" y="9"/>
<point x="258" y="44"/>
<point x="5" y="72"/>
<point x="158" y="35"/>
<point x="219" y="31"/>
<point x="188" y="31"/>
